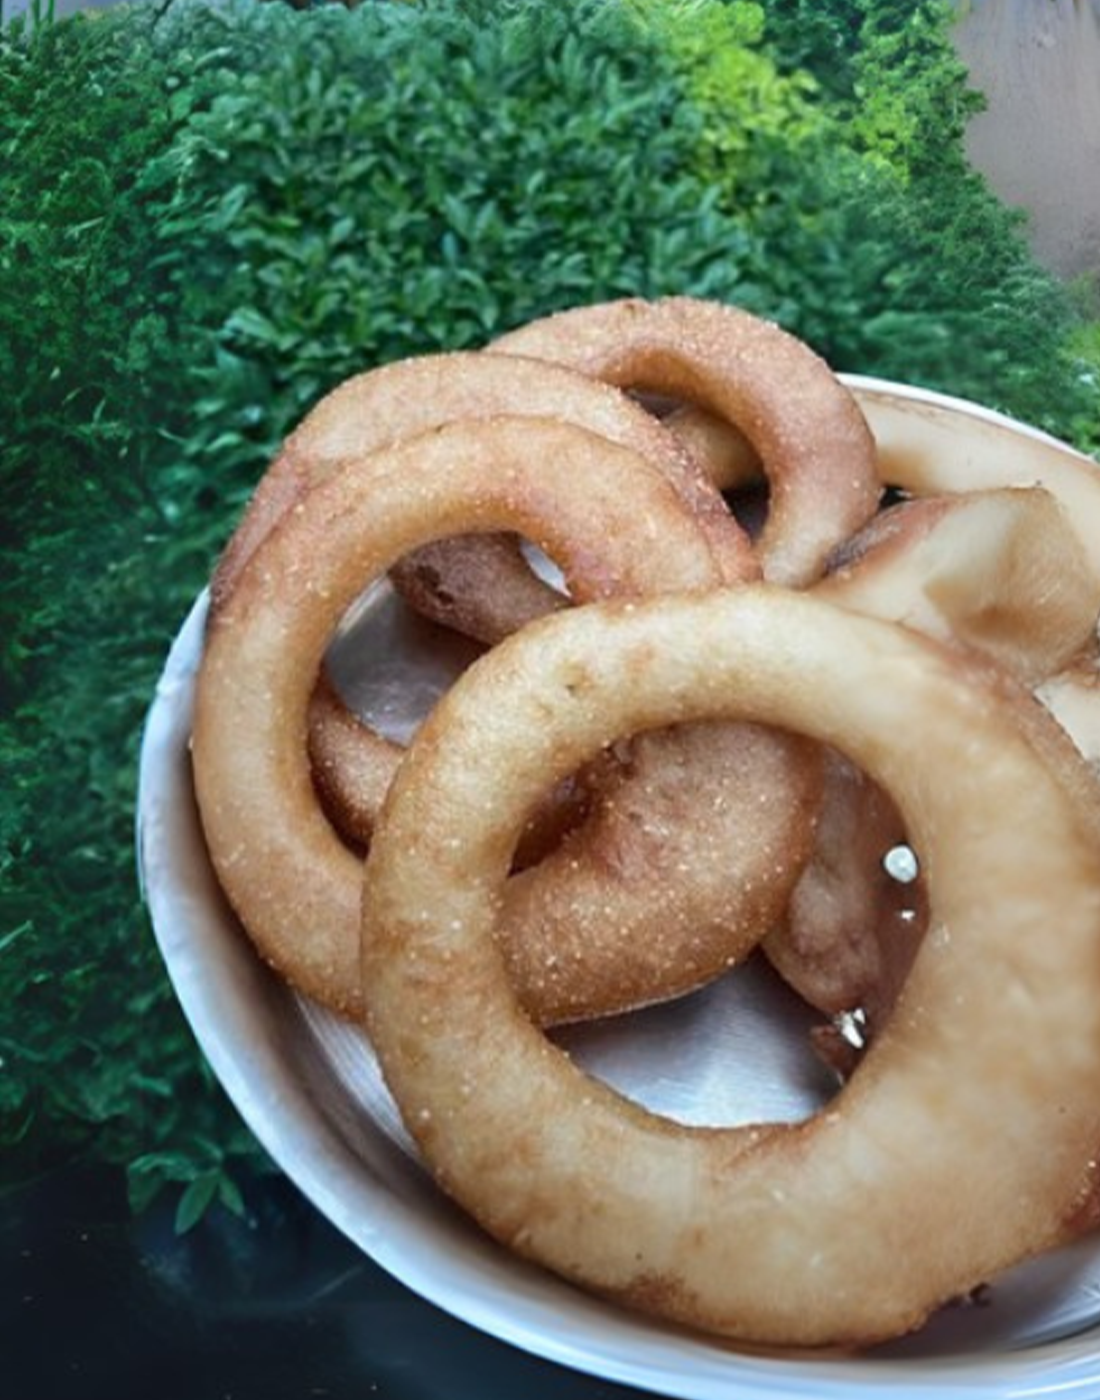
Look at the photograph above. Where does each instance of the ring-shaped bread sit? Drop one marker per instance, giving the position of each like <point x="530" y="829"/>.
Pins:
<point x="813" y="443"/>
<point x="1000" y="572"/>
<point x="292" y="880"/>
<point x="998" y="549"/>
<point x="481" y="585"/>
<point x="922" y="451"/>
<point x="966" y="1139"/>
<point x="397" y="401"/>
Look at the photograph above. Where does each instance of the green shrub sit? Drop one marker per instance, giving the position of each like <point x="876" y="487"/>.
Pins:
<point x="748" y="107"/>
<point x="401" y="180"/>
<point x="888" y="72"/>
<point x="818" y="37"/>
<point x="884" y="280"/>
<point x="95" y="355"/>
<point x="78" y="326"/>
<point x="870" y="235"/>
<point x="1084" y="348"/>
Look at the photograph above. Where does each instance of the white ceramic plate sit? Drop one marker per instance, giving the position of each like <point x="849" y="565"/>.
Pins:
<point x="309" y="1088"/>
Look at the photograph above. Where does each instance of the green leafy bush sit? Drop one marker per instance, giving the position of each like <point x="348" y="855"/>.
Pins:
<point x="98" y="569"/>
<point x="870" y="235"/>
<point x="404" y="180"/>
<point x="749" y="108"/>
<point x="1084" y="347"/>
<point x="821" y="38"/>
<point x="886" y="69"/>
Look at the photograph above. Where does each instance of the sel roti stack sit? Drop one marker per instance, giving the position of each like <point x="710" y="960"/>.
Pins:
<point x="656" y="769"/>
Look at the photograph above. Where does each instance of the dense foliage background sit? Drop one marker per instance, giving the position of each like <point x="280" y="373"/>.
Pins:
<point x="208" y="216"/>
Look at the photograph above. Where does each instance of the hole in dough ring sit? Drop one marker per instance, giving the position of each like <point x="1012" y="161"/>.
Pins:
<point x="965" y="1140"/>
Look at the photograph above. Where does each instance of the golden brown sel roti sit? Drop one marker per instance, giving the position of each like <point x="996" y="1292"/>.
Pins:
<point x="626" y="798"/>
<point x="812" y="440"/>
<point x="686" y="858"/>
<point x="935" y="1152"/>
<point x="721" y="449"/>
<point x="293" y="882"/>
<point x="401" y="400"/>
<point x="1000" y="573"/>
<point x="352" y="770"/>
<point x="480" y="585"/>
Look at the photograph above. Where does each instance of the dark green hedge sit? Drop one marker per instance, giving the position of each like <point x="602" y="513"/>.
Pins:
<point x="210" y="215"/>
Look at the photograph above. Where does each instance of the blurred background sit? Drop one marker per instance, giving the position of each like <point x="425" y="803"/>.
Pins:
<point x="209" y="215"/>
<point x="1038" y="139"/>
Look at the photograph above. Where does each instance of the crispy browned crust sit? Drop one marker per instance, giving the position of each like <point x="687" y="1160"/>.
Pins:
<point x="457" y="583"/>
<point x="719" y="446"/>
<point x="353" y="766"/>
<point x="814" y="445"/>
<point x="480" y="585"/>
<point x="397" y="401"/>
<point x="999" y="572"/>
<point x="612" y="897"/>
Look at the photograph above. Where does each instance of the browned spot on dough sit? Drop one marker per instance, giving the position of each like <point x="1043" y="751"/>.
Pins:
<point x="1085" y="1214"/>
<point x="653" y="1292"/>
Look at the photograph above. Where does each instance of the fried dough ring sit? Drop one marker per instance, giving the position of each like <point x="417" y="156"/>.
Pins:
<point x="962" y="1144"/>
<point x="700" y="833"/>
<point x="814" y="445"/>
<point x="921" y="451"/>
<point x="292" y="881"/>
<point x="1001" y="572"/>
<point x="401" y="400"/>
<point x="481" y="585"/>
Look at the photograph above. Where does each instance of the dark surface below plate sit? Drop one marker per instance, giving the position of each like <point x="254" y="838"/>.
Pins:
<point x="96" y="1304"/>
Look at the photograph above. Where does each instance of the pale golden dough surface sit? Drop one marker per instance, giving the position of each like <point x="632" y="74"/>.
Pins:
<point x="964" y="1142"/>
<point x="353" y="766"/>
<point x="292" y="881"/>
<point x="721" y="449"/>
<point x="1002" y="570"/>
<point x="813" y="443"/>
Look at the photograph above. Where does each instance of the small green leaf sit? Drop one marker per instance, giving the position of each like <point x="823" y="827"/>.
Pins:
<point x="196" y="1201"/>
<point x="229" y="1195"/>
